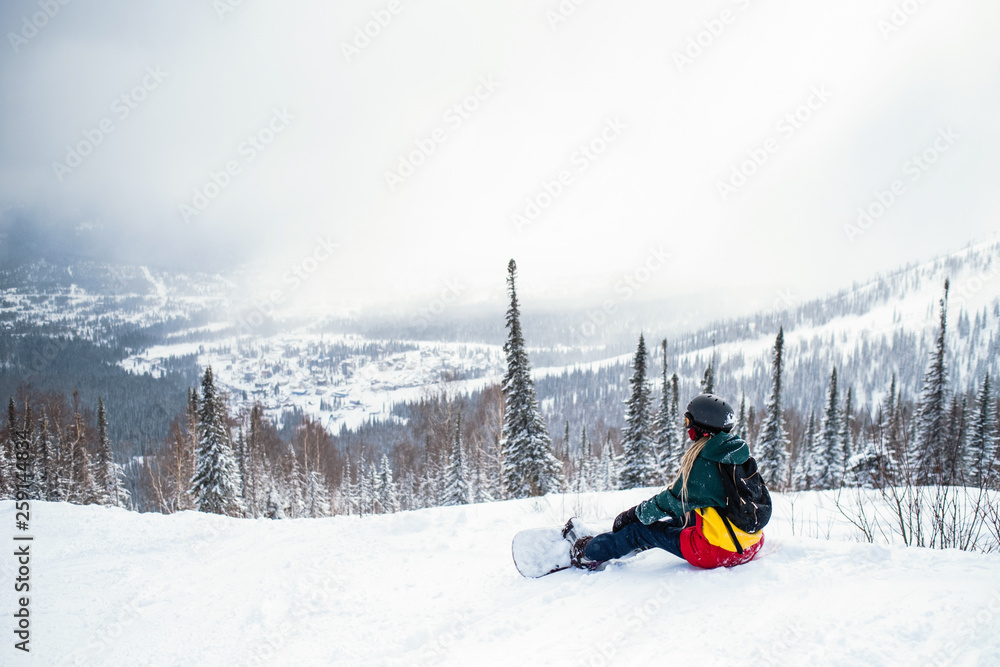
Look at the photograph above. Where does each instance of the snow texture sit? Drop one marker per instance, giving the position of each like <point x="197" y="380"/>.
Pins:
<point x="437" y="587"/>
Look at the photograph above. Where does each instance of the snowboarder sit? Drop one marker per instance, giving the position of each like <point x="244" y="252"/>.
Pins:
<point x="685" y="518"/>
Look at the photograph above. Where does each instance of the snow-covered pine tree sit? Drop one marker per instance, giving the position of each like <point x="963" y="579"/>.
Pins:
<point x="108" y="475"/>
<point x="7" y="469"/>
<point x="826" y="462"/>
<point x="584" y="465"/>
<point x="215" y="485"/>
<point x="43" y="460"/>
<point x="256" y="463"/>
<point x="55" y="485"/>
<point x="27" y="469"/>
<point x="665" y="426"/>
<point x="529" y="467"/>
<point x="930" y="442"/>
<point x="772" y="448"/>
<point x="191" y="424"/>
<point x="753" y="427"/>
<point x="708" y="379"/>
<point x="317" y="496"/>
<point x="889" y="425"/>
<point x="957" y="454"/>
<point x="71" y="464"/>
<point x="680" y="432"/>
<point x="104" y="475"/>
<point x="456" y="489"/>
<point x="483" y="486"/>
<point x="348" y="492"/>
<point x="982" y="444"/>
<point x="85" y="491"/>
<point x="639" y="466"/>
<point x="802" y="471"/>
<point x="741" y="420"/>
<point x="386" y="499"/>
<point x="274" y="507"/>
<point x="847" y="429"/>
<point x="609" y="468"/>
<point x="294" y="484"/>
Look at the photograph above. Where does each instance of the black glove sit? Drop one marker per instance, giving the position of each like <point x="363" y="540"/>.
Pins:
<point x="624" y="519"/>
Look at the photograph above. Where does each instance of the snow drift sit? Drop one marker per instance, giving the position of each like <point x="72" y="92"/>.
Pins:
<point x="437" y="586"/>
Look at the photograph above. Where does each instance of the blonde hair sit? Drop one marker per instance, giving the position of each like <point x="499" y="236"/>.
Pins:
<point x="686" y="462"/>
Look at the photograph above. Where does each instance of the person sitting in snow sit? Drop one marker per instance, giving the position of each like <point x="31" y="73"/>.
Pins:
<point x="683" y="518"/>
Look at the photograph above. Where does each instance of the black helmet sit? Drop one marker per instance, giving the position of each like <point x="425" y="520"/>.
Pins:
<point x="709" y="413"/>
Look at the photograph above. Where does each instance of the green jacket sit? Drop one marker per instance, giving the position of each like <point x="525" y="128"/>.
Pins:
<point x="704" y="484"/>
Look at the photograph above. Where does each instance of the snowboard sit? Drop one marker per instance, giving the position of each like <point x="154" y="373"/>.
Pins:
<point x="541" y="551"/>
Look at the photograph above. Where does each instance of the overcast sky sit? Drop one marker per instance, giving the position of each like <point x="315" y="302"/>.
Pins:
<point x="120" y="120"/>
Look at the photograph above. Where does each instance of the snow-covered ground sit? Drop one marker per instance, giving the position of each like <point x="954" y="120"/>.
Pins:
<point x="437" y="586"/>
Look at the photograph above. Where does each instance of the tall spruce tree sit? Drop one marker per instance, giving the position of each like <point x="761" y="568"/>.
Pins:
<point x="386" y="496"/>
<point x="680" y="434"/>
<point x="108" y="475"/>
<point x="43" y="460"/>
<point x="708" y="379"/>
<point x="665" y="425"/>
<point x="957" y="453"/>
<point x="826" y="463"/>
<point x="215" y="485"/>
<point x="529" y="466"/>
<point x="802" y="471"/>
<point x="457" y="490"/>
<point x="772" y="448"/>
<point x="609" y="467"/>
<point x="7" y="469"/>
<point x="982" y="444"/>
<point x="931" y="436"/>
<point x="741" y="420"/>
<point x="889" y="426"/>
<point x="293" y="484"/>
<point x="639" y="466"/>
<point x="85" y="491"/>
<point x="317" y="495"/>
<point x="847" y="429"/>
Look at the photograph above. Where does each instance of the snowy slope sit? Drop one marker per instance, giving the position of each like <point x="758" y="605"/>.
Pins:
<point x="438" y="587"/>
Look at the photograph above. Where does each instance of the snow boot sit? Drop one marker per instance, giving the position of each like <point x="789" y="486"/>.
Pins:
<point x="578" y="556"/>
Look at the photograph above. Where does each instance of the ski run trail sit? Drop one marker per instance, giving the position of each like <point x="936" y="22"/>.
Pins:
<point x="437" y="587"/>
